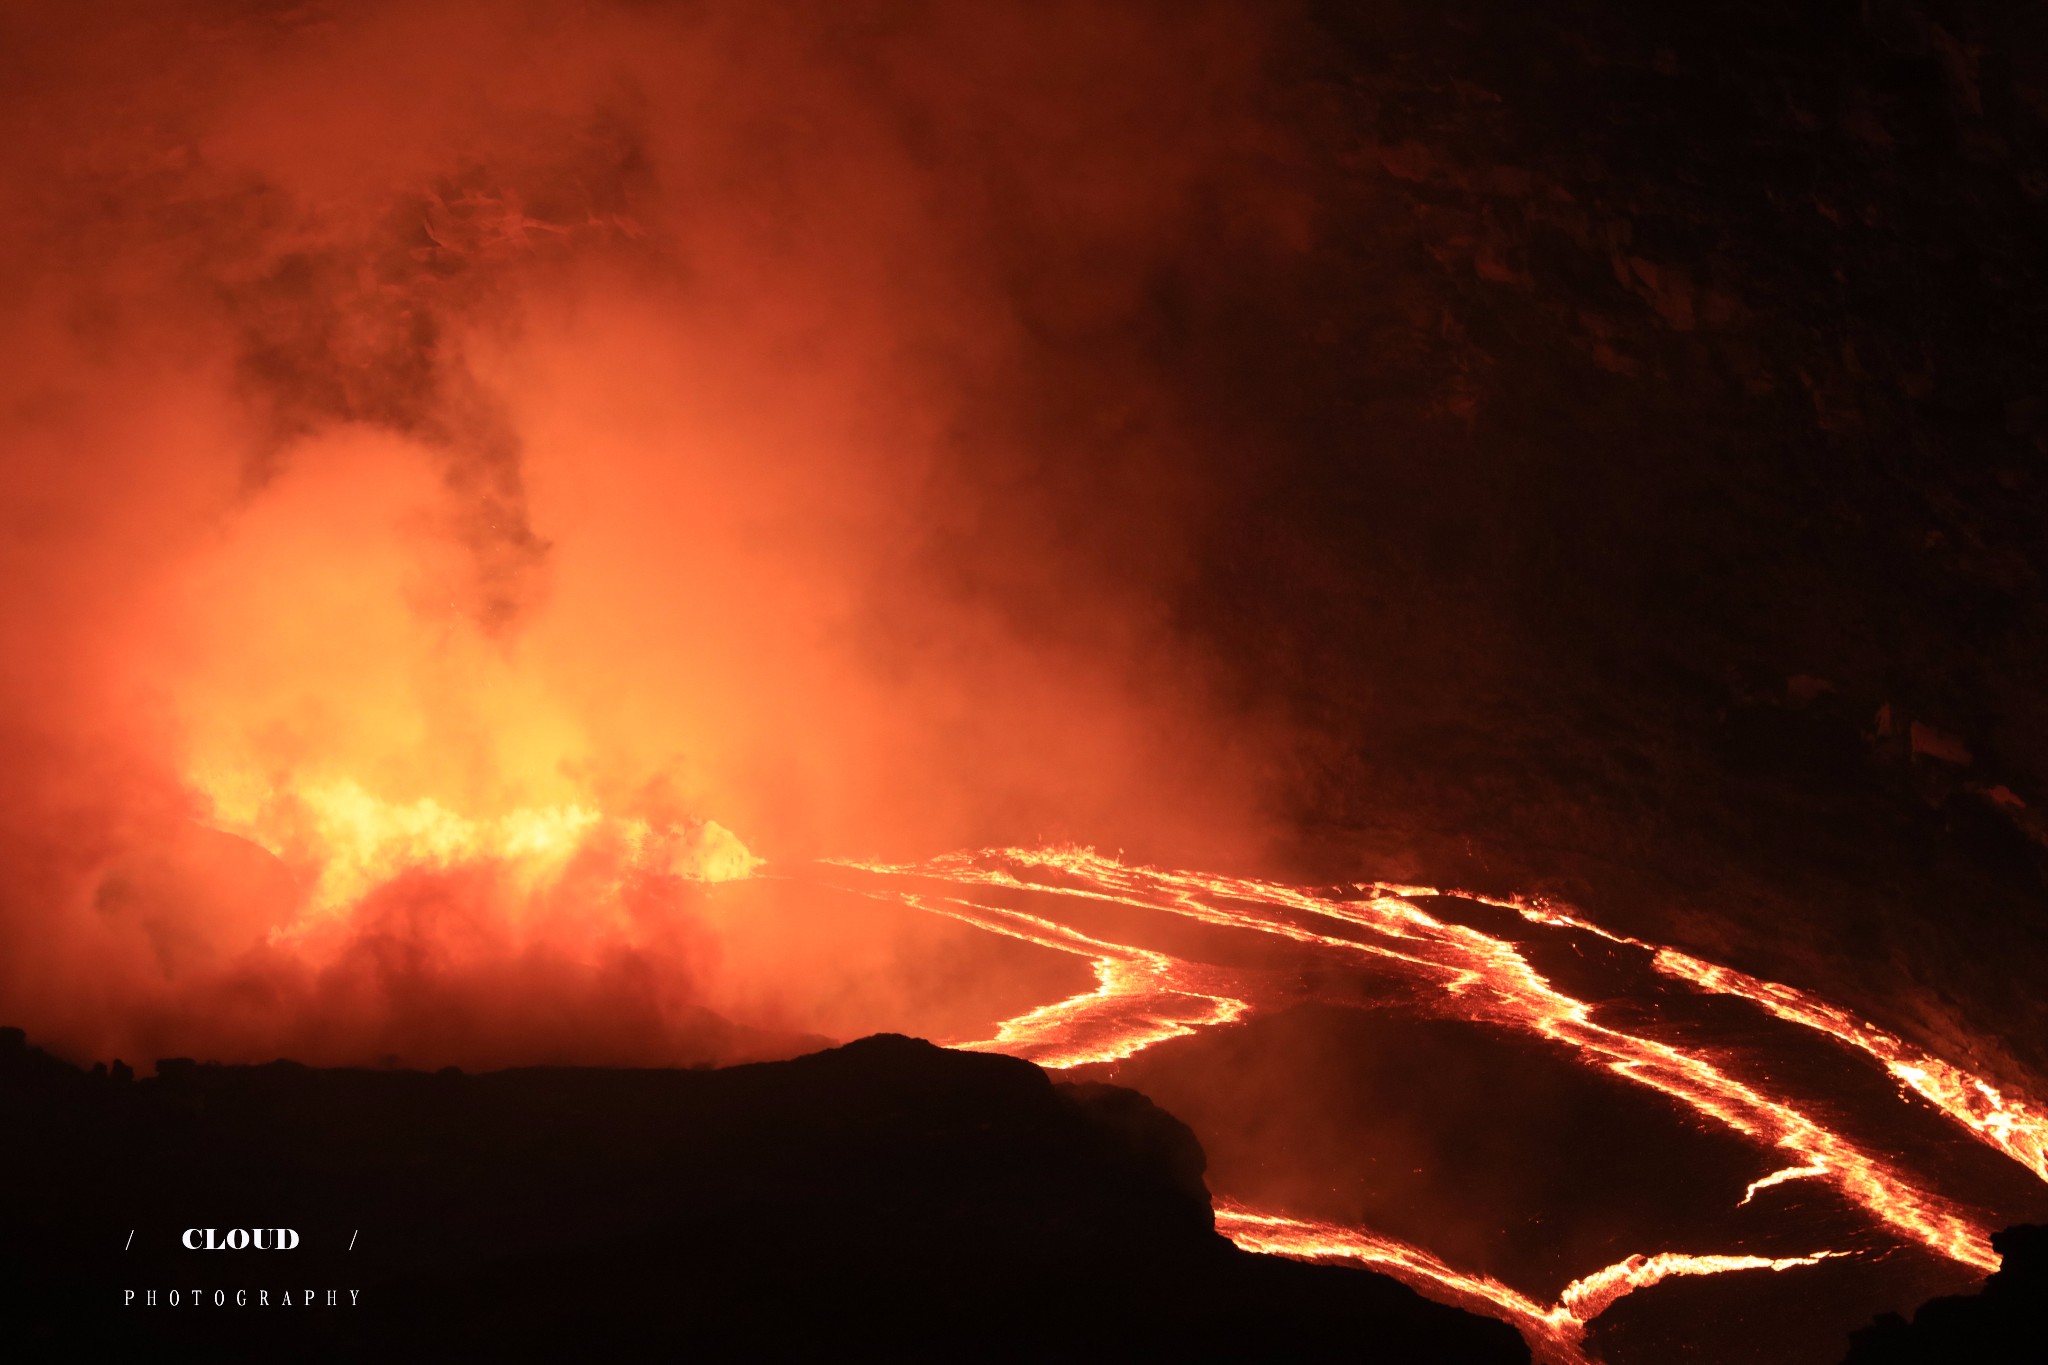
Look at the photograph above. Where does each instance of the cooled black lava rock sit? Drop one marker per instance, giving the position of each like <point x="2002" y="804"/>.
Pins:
<point x="887" y="1197"/>
<point x="2007" y="1322"/>
<point x="1649" y="502"/>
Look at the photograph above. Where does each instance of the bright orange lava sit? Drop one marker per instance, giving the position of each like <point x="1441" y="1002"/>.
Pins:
<point x="1553" y="1332"/>
<point x="1144" y="997"/>
<point x="2008" y="1122"/>
<point x="1141" y="997"/>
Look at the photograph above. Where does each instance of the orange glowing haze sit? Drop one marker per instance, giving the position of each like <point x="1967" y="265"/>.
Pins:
<point x="531" y="531"/>
<point x="475" y="469"/>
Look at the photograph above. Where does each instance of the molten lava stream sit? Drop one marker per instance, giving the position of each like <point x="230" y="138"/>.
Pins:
<point x="2010" y="1123"/>
<point x="1486" y="979"/>
<point x="1554" y="1333"/>
<point x="1141" y="997"/>
<point x="1144" y="997"/>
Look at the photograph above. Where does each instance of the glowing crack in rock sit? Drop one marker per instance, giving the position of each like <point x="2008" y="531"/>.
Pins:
<point x="1554" y="1331"/>
<point x="1779" y="1177"/>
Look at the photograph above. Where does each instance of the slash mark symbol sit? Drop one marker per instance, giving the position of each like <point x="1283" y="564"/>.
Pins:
<point x="351" y="1238"/>
<point x="131" y="1240"/>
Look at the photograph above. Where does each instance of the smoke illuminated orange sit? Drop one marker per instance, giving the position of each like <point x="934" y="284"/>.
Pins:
<point x="493" y="487"/>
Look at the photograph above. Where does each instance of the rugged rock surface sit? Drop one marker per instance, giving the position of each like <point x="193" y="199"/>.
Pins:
<point x="2008" y="1321"/>
<point x="884" y="1198"/>
<point x="1651" y="467"/>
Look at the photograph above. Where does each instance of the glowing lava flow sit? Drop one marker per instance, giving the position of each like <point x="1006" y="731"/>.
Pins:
<point x="2006" y="1122"/>
<point x="1141" y="997"/>
<point x="1144" y="997"/>
<point x="1553" y="1332"/>
<point x="1482" y="979"/>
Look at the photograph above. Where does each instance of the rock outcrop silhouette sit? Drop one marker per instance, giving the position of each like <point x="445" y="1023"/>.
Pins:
<point x="883" y="1198"/>
<point x="2007" y="1321"/>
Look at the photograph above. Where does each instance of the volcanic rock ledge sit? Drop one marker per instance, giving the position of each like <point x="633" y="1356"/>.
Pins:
<point x="2007" y="1320"/>
<point x="886" y="1197"/>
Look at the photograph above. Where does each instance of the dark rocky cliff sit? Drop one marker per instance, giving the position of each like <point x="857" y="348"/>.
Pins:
<point x="887" y="1198"/>
<point x="2006" y="1321"/>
